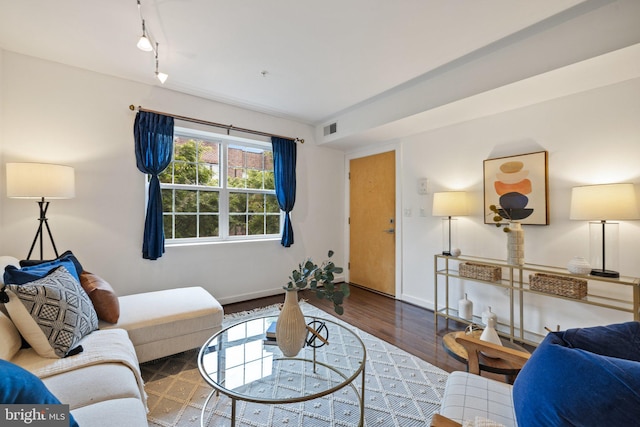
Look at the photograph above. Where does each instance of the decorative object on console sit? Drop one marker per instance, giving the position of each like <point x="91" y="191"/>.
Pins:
<point x="473" y="270"/>
<point x="579" y="265"/>
<point x="291" y="329"/>
<point x="465" y="308"/>
<point x="448" y="204"/>
<point x="489" y="333"/>
<point x="515" y="244"/>
<point x="515" y="238"/>
<point x="603" y="203"/>
<point x="40" y="181"/>
<point x="489" y="317"/>
<point x="570" y="287"/>
<point x="518" y="184"/>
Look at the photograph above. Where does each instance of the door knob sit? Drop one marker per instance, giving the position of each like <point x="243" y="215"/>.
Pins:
<point x="390" y="231"/>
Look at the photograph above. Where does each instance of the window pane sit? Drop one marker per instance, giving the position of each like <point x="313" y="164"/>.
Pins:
<point x="256" y="203"/>
<point x="208" y="163"/>
<point x="196" y="162"/>
<point x="249" y="167"/>
<point x="186" y="200"/>
<point x="269" y="180"/>
<point x="184" y="173"/>
<point x="271" y="203"/>
<point x="209" y="201"/>
<point x="256" y="225"/>
<point x="168" y="226"/>
<point x="273" y="224"/>
<point x="237" y="202"/>
<point x="185" y="226"/>
<point x="237" y="225"/>
<point x="167" y="200"/>
<point x="209" y="226"/>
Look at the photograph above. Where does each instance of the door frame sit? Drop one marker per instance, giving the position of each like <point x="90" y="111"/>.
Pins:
<point x="397" y="148"/>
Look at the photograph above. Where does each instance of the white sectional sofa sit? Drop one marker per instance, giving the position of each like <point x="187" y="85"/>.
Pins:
<point x="102" y="384"/>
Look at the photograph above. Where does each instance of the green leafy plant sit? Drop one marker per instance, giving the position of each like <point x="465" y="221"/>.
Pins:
<point x="310" y="275"/>
<point x="500" y="215"/>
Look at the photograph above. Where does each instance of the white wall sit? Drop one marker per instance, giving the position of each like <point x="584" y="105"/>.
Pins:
<point x="591" y="137"/>
<point x="59" y="114"/>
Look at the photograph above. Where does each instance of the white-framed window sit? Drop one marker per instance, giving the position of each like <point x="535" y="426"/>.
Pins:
<point x="219" y="187"/>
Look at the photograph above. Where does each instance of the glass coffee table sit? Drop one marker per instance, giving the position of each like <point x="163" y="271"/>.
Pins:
<point x="240" y="362"/>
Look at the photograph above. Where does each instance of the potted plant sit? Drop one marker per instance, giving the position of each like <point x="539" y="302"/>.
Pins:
<point x="499" y="215"/>
<point x="291" y="329"/>
<point x="309" y="274"/>
<point x="515" y="240"/>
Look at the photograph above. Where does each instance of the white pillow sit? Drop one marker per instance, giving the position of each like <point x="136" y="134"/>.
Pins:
<point x="52" y="313"/>
<point x="10" y="341"/>
<point x="4" y="261"/>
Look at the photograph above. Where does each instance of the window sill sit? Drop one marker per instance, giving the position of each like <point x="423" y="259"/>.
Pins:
<point x="220" y="242"/>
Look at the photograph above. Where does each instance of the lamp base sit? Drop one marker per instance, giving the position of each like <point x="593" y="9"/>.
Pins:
<point x="447" y="253"/>
<point x="604" y="273"/>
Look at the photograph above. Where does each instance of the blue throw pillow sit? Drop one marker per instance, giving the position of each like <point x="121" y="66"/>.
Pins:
<point x="66" y="255"/>
<point x="20" y="276"/>
<point x="563" y="384"/>
<point x="19" y="386"/>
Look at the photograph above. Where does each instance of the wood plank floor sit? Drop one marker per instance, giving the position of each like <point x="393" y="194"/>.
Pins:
<point x="404" y="325"/>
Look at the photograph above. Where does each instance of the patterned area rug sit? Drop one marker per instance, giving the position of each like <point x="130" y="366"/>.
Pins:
<point x="400" y="391"/>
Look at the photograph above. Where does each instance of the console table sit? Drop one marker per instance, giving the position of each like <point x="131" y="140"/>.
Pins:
<point x="619" y="294"/>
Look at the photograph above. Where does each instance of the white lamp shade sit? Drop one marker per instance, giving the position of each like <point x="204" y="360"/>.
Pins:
<point x="38" y="180"/>
<point x="162" y="77"/>
<point x="450" y="203"/>
<point x="604" y="202"/>
<point x="144" y="44"/>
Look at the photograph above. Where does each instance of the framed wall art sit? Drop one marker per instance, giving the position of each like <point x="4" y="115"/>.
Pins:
<point x="518" y="186"/>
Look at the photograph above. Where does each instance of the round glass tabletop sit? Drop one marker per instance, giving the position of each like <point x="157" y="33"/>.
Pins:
<point x="242" y="362"/>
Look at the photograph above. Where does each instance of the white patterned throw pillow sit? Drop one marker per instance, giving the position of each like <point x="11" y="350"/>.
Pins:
<point x="52" y="313"/>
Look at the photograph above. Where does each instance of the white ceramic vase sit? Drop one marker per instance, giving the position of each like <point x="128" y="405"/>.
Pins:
<point x="489" y="333"/>
<point x="291" y="329"/>
<point x="515" y="244"/>
<point x="465" y="308"/>
<point x="579" y="265"/>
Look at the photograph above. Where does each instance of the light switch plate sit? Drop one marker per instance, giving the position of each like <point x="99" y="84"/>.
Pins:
<point x="423" y="186"/>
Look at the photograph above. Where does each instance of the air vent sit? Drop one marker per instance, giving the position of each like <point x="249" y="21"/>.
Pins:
<point x="330" y="129"/>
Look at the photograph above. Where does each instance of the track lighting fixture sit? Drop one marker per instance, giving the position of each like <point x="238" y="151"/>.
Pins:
<point x="145" y="43"/>
<point x="161" y="76"/>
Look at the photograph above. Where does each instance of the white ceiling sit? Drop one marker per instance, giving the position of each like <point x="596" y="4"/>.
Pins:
<point x="321" y="58"/>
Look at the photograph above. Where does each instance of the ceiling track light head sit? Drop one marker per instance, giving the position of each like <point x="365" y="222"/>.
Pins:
<point x="145" y="44"/>
<point x="161" y="76"/>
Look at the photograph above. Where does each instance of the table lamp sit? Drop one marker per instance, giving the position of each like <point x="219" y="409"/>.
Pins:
<point x="448" y="204"/>
<point x="42" y="182"/>
<point x="602" y="203"/>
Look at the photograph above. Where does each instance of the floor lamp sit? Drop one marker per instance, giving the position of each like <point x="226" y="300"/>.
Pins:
<point x="42" y="182"/>
<point x="603" y="203"/>
<point x="448" y="204"/>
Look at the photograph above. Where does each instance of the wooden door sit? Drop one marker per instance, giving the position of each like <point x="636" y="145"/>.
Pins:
<point x="372" y="223"/>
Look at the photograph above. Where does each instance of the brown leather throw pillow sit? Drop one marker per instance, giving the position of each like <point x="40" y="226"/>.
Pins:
<point x="104" y="299"/>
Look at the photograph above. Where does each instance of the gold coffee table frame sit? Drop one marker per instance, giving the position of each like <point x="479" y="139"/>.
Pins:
<point x="219" y="343"/>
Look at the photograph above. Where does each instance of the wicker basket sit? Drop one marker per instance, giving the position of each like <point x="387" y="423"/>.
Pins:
<point x="472" y="270"/>
<point x="570" y="287"/>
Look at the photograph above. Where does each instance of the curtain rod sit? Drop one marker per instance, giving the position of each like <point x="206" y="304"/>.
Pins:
<point x="218" y="125"/>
